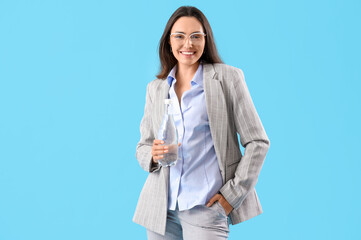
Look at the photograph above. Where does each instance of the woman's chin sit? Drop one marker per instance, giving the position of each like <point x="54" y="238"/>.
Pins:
<point x="188" y="61"/>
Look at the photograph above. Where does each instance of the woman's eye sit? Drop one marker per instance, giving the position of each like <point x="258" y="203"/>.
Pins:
<point x="178" y="36"/>
<point x="195" y="37"/>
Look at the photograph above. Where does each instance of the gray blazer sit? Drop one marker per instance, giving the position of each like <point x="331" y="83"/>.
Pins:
<point x="230" y="111"/>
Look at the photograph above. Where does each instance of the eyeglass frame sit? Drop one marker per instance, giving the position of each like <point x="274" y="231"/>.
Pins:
<point x="188" y="37"/>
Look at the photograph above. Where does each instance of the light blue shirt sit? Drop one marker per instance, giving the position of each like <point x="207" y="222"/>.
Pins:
<point x="196" y="177"/>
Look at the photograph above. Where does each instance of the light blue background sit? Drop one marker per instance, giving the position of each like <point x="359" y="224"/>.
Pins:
<point x="73" y="78"/>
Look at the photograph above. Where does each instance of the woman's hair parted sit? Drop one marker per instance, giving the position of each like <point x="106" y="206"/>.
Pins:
<point x="167" y="60"/>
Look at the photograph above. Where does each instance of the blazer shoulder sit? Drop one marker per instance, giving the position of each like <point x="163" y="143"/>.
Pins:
<point x="228" y="73"/>
<point x="154" y="85"/>
<point x="156" y="82"/>
<point x="225" y="68"/>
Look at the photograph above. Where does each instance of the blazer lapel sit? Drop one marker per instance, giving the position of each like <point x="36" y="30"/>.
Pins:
<point x="162" y="94"/>
<point x="217" y="113"/>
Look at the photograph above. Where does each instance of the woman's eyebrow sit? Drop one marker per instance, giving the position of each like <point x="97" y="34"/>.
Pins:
<point x="185" y="33"/>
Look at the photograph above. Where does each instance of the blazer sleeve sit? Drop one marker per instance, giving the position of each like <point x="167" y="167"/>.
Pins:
<point x="253" y="138"/>
<point x="144" y="146"/>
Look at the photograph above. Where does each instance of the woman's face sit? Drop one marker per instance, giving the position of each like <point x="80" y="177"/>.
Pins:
<point x="187" y="51"/>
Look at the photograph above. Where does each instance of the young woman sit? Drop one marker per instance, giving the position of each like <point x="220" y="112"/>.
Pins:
<point x="212" y="184"/>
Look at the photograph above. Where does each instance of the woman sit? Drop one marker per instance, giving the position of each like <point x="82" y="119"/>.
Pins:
<point x="212" y="184"/>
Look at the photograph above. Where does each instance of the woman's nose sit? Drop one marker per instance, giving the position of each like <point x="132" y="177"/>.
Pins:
<point x="188" y="42"/>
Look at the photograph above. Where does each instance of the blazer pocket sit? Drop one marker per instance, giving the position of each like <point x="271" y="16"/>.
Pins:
<point x="234" y="161"/>
<point x="231" y="168"/>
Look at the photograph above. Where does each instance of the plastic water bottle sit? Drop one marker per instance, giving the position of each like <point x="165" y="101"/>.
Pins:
<point x="168" y="133"/>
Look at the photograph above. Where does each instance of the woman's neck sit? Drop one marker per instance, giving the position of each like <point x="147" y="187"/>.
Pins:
<point x="185" y="73"/>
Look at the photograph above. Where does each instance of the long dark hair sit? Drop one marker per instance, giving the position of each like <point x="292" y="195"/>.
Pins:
<point x="167" y="60"/>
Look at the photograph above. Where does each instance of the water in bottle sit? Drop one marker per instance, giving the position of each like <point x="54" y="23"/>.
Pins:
<point x="168" y="133"/>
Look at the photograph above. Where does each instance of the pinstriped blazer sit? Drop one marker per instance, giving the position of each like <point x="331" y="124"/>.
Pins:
<point x="230" y="111"/>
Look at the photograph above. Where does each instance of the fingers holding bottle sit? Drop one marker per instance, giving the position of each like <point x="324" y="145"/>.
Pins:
<point x="161" y="151"/>
<point x="158" y="150"/>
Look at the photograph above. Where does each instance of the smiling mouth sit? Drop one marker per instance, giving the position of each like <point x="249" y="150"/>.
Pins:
<point x="187" y="53"/>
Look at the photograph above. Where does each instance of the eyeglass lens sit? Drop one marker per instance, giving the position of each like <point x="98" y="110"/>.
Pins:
<point x="195" y="37"/>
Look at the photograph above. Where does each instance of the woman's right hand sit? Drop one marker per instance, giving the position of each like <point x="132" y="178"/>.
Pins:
<point x="158" y="150"/>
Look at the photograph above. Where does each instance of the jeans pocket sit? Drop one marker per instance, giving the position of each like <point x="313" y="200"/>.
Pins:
<point x="220" y="207"/>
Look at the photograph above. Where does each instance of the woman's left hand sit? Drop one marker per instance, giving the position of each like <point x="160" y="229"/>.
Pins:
<point x="219" y="197"/>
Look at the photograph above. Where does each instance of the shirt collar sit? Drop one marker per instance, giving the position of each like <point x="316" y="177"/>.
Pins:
<point x="171" y="75"/>
<point x="197" y="78"/>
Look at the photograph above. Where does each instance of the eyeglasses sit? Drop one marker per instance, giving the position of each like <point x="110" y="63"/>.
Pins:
<point x="195" y="38"/>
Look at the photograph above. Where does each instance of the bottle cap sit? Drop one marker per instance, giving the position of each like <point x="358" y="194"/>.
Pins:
<point x="167" y="101"/>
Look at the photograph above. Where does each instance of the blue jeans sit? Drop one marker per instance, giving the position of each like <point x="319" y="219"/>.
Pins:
<point x="199" y="223"/>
